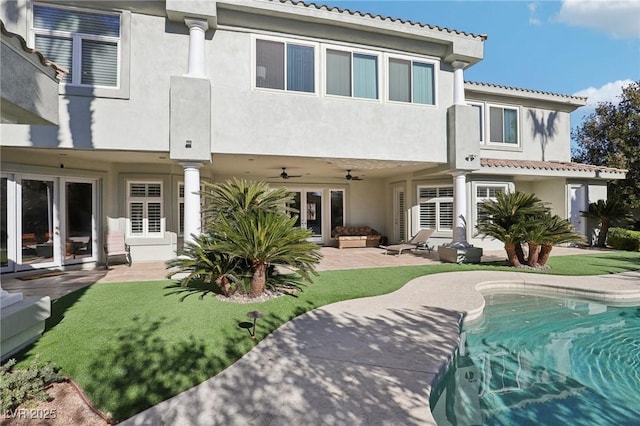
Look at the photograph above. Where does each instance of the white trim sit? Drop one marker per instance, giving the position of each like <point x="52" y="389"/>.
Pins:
<point x="11" y="218"/>
<point x="483" y="127"/>
<point x="487" y="127"/>
<point x="286" y="41"/>
<point x="358" y="51"/>
<point x="411" y="59"/>
<point x="145" y="200"/>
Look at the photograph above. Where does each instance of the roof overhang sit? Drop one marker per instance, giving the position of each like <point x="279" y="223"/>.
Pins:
<point x="559" y="101"/>
<point x="548" y="169"/>
<point x="29" y="83"/>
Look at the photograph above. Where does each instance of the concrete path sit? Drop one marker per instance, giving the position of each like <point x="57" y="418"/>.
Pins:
<point x="370" y="361"/>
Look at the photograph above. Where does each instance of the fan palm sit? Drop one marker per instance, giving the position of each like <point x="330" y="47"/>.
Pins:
<point x="266" y="238"/>
<point x="608" y="212"/>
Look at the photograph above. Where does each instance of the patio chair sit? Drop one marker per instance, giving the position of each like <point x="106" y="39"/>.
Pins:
<point x="418" y="242"/>
<point x="114" y="246"/>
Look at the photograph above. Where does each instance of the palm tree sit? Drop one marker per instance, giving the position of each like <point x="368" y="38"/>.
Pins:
<point x="266" y="238"/>
<point x="608" y="212"/>
<point x="240" y="195"/>
<point x="509" y="218"/>
<point x="201" y="262"/>
<point x="557" y="231"/>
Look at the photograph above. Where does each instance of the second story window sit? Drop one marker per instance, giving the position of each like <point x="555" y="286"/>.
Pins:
<point x="352" y="74"/>
<point x="285" y="66"/>
<point x="411" y="81"/>
<point x="86" y="43"/>
<point x="503" y="125"/>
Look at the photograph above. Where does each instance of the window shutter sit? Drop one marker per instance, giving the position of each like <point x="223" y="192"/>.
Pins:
<point x="446" y="215"/>
<point x="136" y="214"/>
<point x="155" y="217"/>
<point x="427" y="215"/>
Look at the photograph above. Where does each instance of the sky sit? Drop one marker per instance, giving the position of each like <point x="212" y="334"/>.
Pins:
<point x="574" y="47"/>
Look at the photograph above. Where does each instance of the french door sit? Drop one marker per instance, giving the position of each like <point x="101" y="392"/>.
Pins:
<point x="399" y="215"/>
<point x="309" y="205"/>
<point x="46" y="221"/>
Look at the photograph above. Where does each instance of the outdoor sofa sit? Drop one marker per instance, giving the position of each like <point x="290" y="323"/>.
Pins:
<point x="356" y="236"/>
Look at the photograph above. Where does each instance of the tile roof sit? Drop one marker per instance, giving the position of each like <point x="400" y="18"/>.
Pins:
<point x="548" y="165"/>
<point x="380" y="17"/>
<point x="518" y="89"/>
<point x="60" y="71"/>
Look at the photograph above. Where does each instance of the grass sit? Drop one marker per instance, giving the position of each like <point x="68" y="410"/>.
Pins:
<point x="132" y="345"/>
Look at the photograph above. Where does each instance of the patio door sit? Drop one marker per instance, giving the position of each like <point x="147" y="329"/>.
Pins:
<point x="399" y="215"/>
<point x="79" y="224"/>
<point x="7" y="223"/>
<point x="309" y="205"/>
<point x="38" y="233"/>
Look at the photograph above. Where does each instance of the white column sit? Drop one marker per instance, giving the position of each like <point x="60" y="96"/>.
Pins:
<point x="458" y="82"/>
<point x="460" y="210"/>
<point x="191" y="200"/>
<point x="197" y="29"/>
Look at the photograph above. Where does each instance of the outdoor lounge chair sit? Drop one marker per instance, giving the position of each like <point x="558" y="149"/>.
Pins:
<point x="419" y="241"/>
<point x="114" y="245"/>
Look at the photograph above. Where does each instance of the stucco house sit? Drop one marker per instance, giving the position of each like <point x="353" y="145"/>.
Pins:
<point x="163" y="95"/>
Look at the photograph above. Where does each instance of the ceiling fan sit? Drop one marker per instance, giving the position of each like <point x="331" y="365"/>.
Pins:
<point x="349" y="176"/>
<point x="284" y="175"/>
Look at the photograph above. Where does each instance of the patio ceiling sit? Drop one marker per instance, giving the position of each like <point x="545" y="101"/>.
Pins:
<point x="267" y="167"/>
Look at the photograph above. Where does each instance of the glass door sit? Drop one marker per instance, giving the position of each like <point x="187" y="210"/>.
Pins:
<point x="308" y="203"/>
<point x="79" y="222"/>
<point x="36" y="235"/>
<point x="7" y="219"/>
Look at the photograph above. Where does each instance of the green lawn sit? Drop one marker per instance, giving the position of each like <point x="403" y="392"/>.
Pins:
<point x="132" y="345"/>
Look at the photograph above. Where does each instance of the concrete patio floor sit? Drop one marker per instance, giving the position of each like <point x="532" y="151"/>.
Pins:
<point x="333" y="259"/>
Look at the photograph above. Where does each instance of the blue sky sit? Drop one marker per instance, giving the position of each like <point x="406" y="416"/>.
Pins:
<point x="583" y="47"/>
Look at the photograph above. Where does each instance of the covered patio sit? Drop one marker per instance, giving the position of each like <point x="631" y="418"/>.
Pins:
<point x="56" y="284"/>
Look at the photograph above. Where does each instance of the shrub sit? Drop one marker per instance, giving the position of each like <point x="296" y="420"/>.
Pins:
<point x="624" y="239"/>
<point x="24" y="385"/>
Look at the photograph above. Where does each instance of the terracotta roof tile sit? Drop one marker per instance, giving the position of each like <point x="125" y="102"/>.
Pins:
<point x="60" y="71"/>
<point x="518" y="89"/>
<point x="383" y="18"/>
<point x="548" y="165"/>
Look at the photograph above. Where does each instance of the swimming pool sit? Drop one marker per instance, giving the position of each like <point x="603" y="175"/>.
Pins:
<point x="537" y="360"/>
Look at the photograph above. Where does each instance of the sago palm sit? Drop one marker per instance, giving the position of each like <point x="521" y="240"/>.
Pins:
<point x="266" y="238"/>
<point x="506" y="219"/>
<point x="608" y="212"/>
<point x="557" y="231"/>
<point x="240" y="195"/>
<point x="199" y="261"/>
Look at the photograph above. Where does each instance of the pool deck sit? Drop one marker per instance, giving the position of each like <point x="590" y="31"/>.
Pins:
<point x="358" y="362"/>
<point x="365" y="361"/>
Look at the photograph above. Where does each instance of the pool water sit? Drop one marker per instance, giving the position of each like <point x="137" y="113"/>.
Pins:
<point x="544" y="361"/>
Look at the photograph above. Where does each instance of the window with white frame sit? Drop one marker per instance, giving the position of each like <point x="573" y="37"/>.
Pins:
<point x="503" y="125"/>
<point x="487" y="192"/>
<point x="435" y="208"/>
<point x="285" y="66"/>
<point x="411" y="81"/>
<point x="144" y="208"/>
<point x="351" y="74"/>
<point x="480" y="109"/>
<point x="87" y="43"/>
